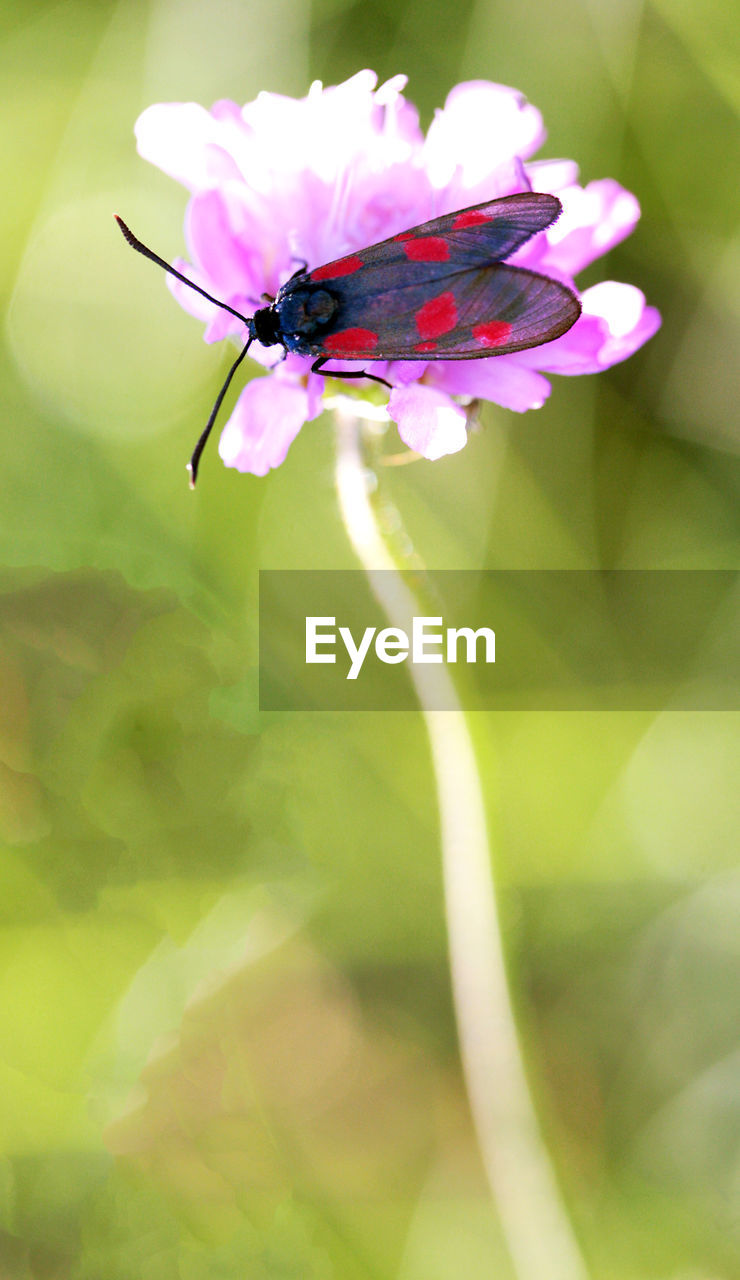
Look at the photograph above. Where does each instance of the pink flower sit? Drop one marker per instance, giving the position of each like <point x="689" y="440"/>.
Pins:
<point x="282" y="181"/>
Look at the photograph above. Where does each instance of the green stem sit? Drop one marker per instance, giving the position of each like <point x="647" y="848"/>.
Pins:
<point x="533" y="1217"/>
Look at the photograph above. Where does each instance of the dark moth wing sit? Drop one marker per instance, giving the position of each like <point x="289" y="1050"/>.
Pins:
<point x="487" y="232"/>
<point x="441" y="290"/>
<point x="495" y="310"/>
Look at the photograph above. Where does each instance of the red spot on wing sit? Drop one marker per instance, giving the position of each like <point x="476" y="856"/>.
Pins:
<point x="344" y="267"/>
<point x="491" y="334"/>
<point x="426" y="249"/>
<point x="437" y="316"/>
<point x="470" y="218"/>
<point x="426" y="346"/>
<point x="350" y="341"/>
<point x="403" y="235"/>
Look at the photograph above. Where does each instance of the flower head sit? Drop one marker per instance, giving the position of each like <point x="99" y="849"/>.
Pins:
<point x="285" y="181"/>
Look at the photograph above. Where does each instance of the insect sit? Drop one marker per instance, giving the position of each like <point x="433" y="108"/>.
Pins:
<point x="440" y="291"/>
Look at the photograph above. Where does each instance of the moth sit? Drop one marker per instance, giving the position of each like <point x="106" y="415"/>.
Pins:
<point x="440" y="291"/>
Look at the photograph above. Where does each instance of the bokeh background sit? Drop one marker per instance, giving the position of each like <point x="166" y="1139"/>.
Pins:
<point x="227" y="1045"/>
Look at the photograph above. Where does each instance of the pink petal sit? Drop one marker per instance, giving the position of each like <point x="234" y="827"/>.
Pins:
<point x="594" y="219"/>
<point x="400" y="117"/>
<point x="552" y="175"/>
<point x="223" y="239"/>
<point x="219" y="324"/>
<point x="500" y="380"/>
<point x="401" y="373"/>
<point x="481" y="126"/>
<point x="266" y="420"/>
<point x="186" y="142"/>
<point x="509" y="178"/>
<point x="614" y="323"/>
<point x="428" y="420"/>
<point x="315" y="392"/>
<point x="622" y="308"/>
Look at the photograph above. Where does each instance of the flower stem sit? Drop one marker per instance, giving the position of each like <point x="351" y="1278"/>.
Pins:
<point x="532" y="1214"/>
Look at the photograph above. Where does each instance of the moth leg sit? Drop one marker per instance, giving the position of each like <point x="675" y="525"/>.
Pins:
<point x="318" y="367"/>
<point x="300" y="271"/>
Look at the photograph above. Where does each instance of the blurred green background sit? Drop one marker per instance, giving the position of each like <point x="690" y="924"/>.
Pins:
<point x="227" y="1041"/>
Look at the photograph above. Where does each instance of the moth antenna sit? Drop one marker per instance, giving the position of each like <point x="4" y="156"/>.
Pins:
<point x="200" y="446"/>
<point x="136" y="244"/>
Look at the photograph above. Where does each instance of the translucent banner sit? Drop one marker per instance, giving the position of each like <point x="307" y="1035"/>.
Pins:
<point x="499" y="640"/>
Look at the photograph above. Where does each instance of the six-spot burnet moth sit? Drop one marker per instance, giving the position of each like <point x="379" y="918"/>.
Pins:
<point x="441" y="291"/>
